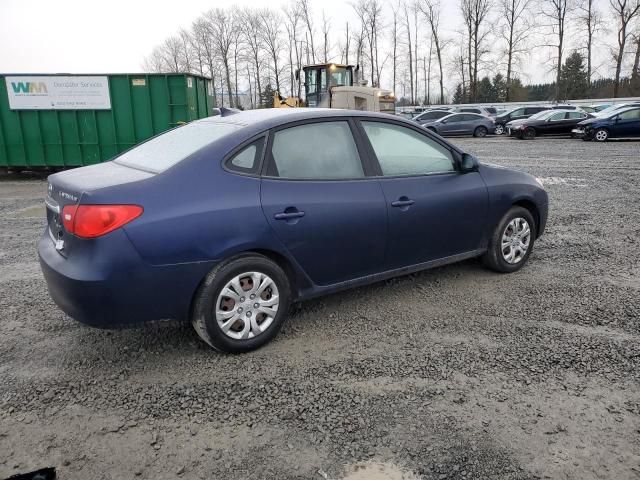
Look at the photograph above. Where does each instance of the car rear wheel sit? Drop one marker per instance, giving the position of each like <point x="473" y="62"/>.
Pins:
<point x="529" y="133"/>
<point x="511" y="242"/>
<point x="601" y="135"/>
<point x="499" y="129"/>
<point x="480" y="132"/>
<point x="242" y="304"/>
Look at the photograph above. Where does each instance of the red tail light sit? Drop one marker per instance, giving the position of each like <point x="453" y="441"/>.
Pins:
<point x="90" y="221"/>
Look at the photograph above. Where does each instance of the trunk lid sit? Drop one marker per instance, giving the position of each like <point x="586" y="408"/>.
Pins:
<point x="67" y="188"/>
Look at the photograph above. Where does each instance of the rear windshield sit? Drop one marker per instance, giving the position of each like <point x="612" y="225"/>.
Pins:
<point x="166" y="150"/>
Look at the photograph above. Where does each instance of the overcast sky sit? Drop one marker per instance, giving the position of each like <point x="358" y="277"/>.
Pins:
<point x="84" y="36"/>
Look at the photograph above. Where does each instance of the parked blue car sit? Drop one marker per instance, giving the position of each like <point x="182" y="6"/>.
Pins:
<point x="620" y="123"/>
<point x="227" y="220"/>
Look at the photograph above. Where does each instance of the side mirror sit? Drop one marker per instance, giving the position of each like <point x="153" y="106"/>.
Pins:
<point x="468" y="163"/>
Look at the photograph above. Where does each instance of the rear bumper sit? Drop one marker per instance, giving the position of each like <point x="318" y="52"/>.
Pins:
<point x="111" y="286"/>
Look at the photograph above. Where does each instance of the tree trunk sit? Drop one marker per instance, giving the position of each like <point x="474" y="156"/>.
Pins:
<point x="250" y="90"/>
<point x="635" y="73"/>
<point x="227" y="72"/>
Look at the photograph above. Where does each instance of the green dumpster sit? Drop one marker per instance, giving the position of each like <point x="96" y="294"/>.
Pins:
<point x="73" y="120"/>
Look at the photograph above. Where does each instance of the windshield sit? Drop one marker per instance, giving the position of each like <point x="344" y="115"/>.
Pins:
<point x="339" y="76"/>
<point x="166" y="150"/>
<point x="607" y="112"/>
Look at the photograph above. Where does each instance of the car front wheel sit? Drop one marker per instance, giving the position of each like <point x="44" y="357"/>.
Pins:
<point x="499" y="129"/>
<point x="601" y="135"/>
<point x="511" y="242"/>
<point x="529" y="133"/>
<point x="242" y="304"/>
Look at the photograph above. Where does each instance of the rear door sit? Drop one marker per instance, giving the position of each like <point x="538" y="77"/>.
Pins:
<point x="434" y="210"/>
<point x="319" y="202"/>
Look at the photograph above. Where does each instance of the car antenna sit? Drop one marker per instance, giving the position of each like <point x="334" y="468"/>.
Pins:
<point x="225" y="112"/>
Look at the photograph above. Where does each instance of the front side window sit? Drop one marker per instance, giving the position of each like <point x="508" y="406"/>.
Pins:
<point x="517" y="113"/>
<point x="166" y="150"/>
<point x="323" y="151"/>
<point x="403" y="151"/>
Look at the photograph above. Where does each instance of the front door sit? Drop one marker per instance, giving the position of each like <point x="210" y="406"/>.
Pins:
<point x="434" y="210"/>
<point x="627" y="124"/>
<point x="316" y="198"/>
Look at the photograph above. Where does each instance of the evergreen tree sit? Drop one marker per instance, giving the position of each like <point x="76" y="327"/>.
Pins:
<point x="485" y="91"/>
<point x="573" y="78"/>
<point x="500" y="88"/>
<point x="266" y="97"/>
<point x="458" y="96"/>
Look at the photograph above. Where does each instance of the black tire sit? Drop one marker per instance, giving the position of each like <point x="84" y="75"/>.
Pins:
<point x="493" y="257"/>
<point x="601" y="135"/>
<point x="529" y="133"/>
<point x="480" y="132"/>
<point x="203" y="315"/>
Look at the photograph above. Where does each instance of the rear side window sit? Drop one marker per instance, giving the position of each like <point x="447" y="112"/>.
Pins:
<point x="247" y="159"/>
<point x="166" y="150"/>
<point x="323" y="151"/>
<point x="557" y="116"/>
<point x="403" y="151"/>
<point x="575" y="115"/>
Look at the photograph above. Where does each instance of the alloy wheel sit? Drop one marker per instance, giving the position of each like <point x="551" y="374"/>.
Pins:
<point x="247" y="305"/>
<point x="516" y="239"/>
<point x="601" y="135"/>
<point x="499" y="129"/>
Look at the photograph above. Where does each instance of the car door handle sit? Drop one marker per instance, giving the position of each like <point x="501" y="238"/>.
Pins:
<point x="402" y="202"/>
<point x="288" y="215"/>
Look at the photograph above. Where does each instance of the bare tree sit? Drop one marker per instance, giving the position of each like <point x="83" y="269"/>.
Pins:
<point x="221" y="28"/>
<point x="515" y="28"/>
<point x="591" y="20"/>
<point x="625" y="11"/>
<point x="407" y="26"/>
<point x="369" y="13"/>
<point x="294" y="14"/>
<point x="306" y="15"/>
<point x="250" y="29"/>
<point x="555" y="13"/>
<point x="394" y="41"/>
<point x="204" y="39"/>
<point x="326" y="25"/>
<point x="431" y="10"/>
<point x="475" y="14"/>
<point x="272" y="38"/>
<point x="635" y="72"/>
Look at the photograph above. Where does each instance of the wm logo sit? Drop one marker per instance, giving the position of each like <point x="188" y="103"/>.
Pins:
<point x="29" y="87"/>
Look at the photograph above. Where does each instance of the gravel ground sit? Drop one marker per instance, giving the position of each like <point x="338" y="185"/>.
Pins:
<point x="452" y="373"/>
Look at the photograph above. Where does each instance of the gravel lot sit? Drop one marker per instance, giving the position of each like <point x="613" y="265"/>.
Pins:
<point x="457" y="372"/>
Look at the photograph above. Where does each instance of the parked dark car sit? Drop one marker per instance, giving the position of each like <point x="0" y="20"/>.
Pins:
<point x="516" y="114"/>
<point x="510" y="127"/>
<point x="430" y="116"/>
<point x="227" y="220"/>
<point x="622" y="123"/>
<point x="553" y="122"/>
<point x="462" y="124"/>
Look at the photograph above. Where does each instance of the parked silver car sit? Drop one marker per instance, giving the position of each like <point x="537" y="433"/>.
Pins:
<point x="462" y="124"/>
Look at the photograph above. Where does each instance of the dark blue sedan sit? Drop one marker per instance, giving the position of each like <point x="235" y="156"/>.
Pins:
<point x="226" y="221"/>
<point x="619" y="123"/>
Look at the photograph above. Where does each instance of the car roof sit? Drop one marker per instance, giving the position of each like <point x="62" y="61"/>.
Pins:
<point x="272" y="117"/>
